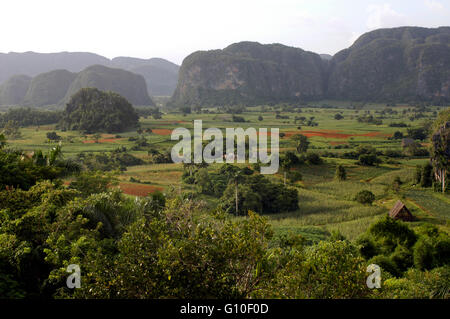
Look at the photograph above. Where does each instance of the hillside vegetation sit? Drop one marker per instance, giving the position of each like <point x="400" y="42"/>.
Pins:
<point x="161" y="75"/>
<point x="48" y="88"/>
<point x="401" y="64"/>
<point x="91" y="110"/>
<point x="13" y="91"/>
<point x="129" y="85"/>
<point x="250" y="73"/>
<point x="407" y="64"/>
<point x="55" y="88"/>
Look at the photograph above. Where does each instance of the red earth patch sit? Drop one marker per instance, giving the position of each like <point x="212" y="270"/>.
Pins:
<point x="162" y="131"/>
<point x="138" y="189"/>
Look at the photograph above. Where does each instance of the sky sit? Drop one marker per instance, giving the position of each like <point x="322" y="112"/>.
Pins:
<point x="172" y="29"/>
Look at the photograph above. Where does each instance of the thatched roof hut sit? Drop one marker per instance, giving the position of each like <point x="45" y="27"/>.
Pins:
<point x="400" y="211"/>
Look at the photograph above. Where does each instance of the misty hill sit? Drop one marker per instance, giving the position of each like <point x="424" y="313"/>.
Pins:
<point x="130" y="85"/>
<point x="326" y="57"/>
<point x="250" y="73"/>
<point x="161" y="75"/>
<point x="399" y="64"/>
<point x="49" y="88"/>
<point x="13" y="91"/>
<point x="32" y="63"/>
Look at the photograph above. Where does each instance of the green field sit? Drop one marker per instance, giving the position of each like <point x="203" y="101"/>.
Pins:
<point x="325" y="205"/>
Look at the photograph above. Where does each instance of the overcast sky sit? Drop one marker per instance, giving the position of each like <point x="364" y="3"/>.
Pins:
<point x="172" y="29"/>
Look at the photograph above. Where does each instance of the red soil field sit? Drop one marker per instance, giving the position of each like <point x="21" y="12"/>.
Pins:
<point x="106" y="138"/>
<point x="138" y="190"/>
<point x="162" y="131"/>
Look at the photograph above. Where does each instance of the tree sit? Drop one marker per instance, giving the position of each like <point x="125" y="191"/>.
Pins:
<point x="426" y="179"/>
<point x="397" y="135"/>
<point x="302" y="143"/>
<point x="88" y="183"/>
<point x="368" y="160"/>
<point x="2" y="141"/>
<point x="327" y="270"/>
<point x="203" y="181"/>
<point x="440" y="153"/>
<point x="417" y="133"/>
<point x="287" y="162"/>
<point x="92" y="110"/>
<point x="258" y="193"/>
<point x="96" y="137"/>
<point x="11" y="130"/>
<point x="52" y="136"/>
<point x="338" y="116"/>
<point x="341" y="174"/>
<point x="365" y="197"/>
<point x="185" y="110"/>
<point x="260" y="118"/>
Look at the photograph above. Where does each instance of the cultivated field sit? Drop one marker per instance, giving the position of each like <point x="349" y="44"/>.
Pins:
<point x="325" y="205"/>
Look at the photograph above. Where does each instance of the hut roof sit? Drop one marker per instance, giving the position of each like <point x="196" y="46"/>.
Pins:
<point x="400" y="211"/>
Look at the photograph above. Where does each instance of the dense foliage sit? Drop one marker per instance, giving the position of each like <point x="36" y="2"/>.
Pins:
<point x="28" y="116"/>
<point x="91" y="110"/>
<point x="253" y="192"/>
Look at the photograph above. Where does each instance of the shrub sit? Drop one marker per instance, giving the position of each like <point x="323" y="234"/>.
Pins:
<point x="365" y="197"/>
<point x="426" y="179"/>
<point x="313" y="158"/>
<point x="341" y="174"/>
<point x="52" y="136"/>
<point x="294" y="176"/>
<point x="368" y="160"/>
<point x="386" y="264"/>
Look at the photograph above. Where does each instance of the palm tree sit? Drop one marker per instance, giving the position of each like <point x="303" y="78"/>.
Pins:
<point x="441" y="153"/>
<point x="54" y="154"/>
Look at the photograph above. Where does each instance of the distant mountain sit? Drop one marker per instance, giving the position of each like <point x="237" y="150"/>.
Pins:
<point x="326" y="57"/>
<point x="387" y="65"/>
<point x="161" y="75"/>
<point x="250" y="73"/>
<point x="130" y="85"/>
<point x="399" y="64"/>
<point x="49" y="88"/>
<point x="32" y="63"/>
<point x="13" y="91"/>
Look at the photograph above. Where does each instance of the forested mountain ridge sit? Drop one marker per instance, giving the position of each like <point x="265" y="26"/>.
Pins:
<point x="387" y="65"/>
<point x="400" y="64"/>
<point x="48" y="88"/>
<point x="56" y="87"/>
<point x="13" y="91"/>
<point x="160" y="74"/>
<point x="249" y="72"/>
<point x="130" y="85"/>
